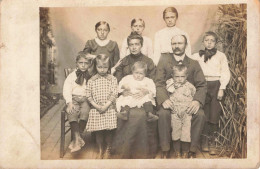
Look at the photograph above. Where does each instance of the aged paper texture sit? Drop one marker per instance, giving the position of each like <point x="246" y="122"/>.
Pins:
<point x="20" y="139"/>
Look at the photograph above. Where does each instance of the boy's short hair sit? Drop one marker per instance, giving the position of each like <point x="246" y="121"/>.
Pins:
<point x="81" y="54"/>
<point x="137" y="19"/>
<point x="102" y="23"/>
<point x="141" y="65"/>
<point x="210" y="33"/>
<point x="104" y="59"/>
<point x="179" y="68"/>
<point x="170" y="9"/>
<point x="135" y="35"/>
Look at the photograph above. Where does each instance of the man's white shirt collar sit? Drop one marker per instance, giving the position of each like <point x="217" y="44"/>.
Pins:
<point x="178" y="58"/>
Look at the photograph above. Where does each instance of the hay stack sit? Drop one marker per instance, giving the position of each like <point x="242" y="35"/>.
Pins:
<point x="232" y="31"/>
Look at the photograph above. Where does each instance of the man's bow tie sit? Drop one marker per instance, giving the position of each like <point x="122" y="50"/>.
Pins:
<point x="81" y="76"/>
<point x="180" y="62"/>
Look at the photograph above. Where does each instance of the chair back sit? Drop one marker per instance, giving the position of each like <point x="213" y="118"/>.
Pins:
<point x="67" y="71"/>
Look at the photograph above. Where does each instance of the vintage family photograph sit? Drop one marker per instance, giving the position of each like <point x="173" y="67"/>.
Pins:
<point x="143" y="82"/>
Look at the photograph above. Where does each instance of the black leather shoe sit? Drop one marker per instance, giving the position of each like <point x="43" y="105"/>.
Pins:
<point x="205" y="144"/>
<point x="212" y="146"/>
<point x="192" y="155"/>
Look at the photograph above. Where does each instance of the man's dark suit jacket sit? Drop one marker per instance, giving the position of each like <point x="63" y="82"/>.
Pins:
<point x="164" y="72"/>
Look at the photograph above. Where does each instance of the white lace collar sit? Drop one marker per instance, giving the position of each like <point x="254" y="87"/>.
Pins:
<point x="102" y="42"/>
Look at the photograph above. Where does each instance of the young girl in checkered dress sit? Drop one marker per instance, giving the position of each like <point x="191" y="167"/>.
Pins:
<point x="102" y="91"/>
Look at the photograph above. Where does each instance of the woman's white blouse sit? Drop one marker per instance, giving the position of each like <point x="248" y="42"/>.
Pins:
<point x="162" y="42"/>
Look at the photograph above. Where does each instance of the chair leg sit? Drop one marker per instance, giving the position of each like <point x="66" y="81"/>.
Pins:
<point x="62" y="139"/>
<point x="71" y="135"/>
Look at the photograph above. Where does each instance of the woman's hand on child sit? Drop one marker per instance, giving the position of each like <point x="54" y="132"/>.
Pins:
<point x="194" y="107"/>
<point x="138" y="95"/>
<point x="126" y="93"/>
<point x="220" y="94"/>
<point x="142" y="92"/>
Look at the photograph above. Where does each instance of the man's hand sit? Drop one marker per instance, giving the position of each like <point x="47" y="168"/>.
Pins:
<point x="167" y="104"/>
<point x="220" y="94"/>
<point x="194" y="107"/>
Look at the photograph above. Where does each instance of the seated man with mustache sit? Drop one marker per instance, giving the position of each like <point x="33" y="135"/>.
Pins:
<point x="195" y="77"/>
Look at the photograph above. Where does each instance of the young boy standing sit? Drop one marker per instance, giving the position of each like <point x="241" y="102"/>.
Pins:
<point x="181" y="94"/>
<point x="214" y="65"/>
<point x="74" y="93"/>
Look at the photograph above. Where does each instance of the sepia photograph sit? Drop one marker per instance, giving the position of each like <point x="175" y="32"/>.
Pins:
<point x="129" y="84"/>
<point x="142" y="109"/>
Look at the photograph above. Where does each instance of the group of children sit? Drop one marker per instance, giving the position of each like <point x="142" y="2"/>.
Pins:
<point x="93" y="103"/>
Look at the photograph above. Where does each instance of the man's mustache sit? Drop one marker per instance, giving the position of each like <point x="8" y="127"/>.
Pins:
<point x="177" y="49"/>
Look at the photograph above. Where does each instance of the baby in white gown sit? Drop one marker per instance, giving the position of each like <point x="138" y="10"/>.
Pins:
<point x="140" y="93"/>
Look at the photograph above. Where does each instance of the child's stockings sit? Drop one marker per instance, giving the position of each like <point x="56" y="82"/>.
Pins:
<point x="82" y="126"/>
<point x="100" y="143"/>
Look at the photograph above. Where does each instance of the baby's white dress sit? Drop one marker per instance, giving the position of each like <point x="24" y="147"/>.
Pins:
<point x="134" y="86"/>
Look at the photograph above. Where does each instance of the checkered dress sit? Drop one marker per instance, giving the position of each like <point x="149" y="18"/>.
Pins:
<point x="101" y="89"/>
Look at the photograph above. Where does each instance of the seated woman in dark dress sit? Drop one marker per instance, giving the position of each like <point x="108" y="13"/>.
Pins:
<point x="135" y="138"/>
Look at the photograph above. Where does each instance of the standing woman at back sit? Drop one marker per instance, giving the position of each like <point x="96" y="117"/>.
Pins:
<point x="162" y="38"/>
<point x="102" y="45"/>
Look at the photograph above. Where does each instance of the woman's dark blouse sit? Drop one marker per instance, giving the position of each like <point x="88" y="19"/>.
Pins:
<point x="111" y="50"/>
<point x="125" y="66"/>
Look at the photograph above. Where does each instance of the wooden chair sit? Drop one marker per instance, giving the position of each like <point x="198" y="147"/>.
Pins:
<point x="65" y="126"/>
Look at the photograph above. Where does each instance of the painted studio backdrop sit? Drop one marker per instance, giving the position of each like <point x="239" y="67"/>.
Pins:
<point x="72" y="27"/>
<point x="64" y="32"/>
